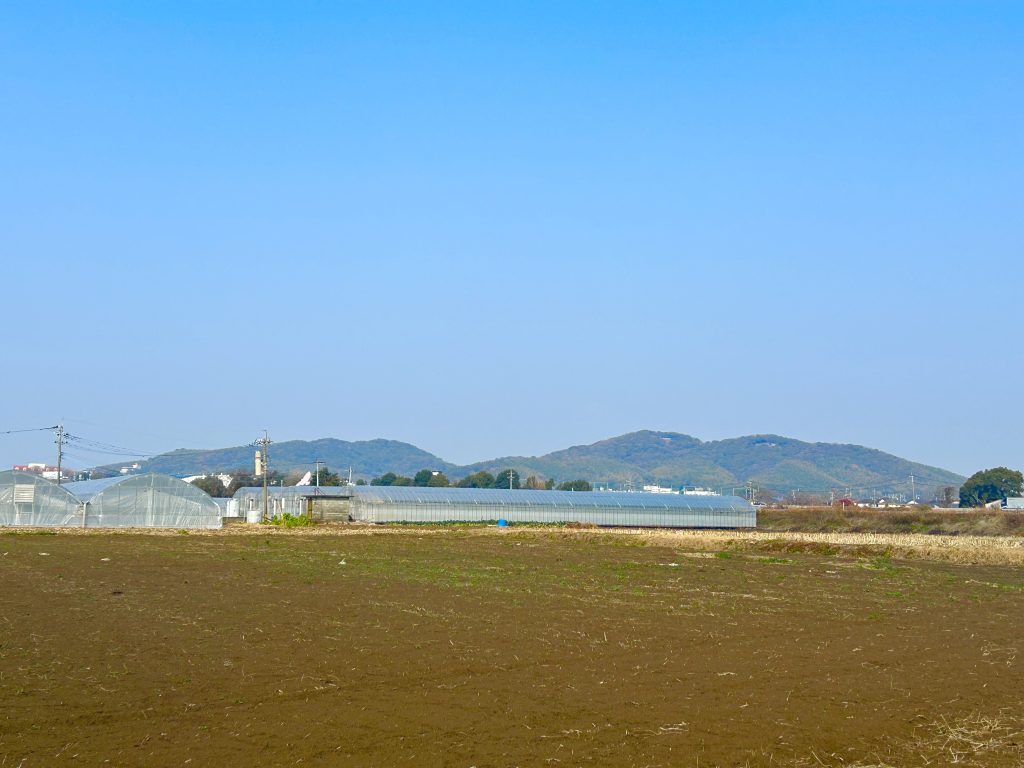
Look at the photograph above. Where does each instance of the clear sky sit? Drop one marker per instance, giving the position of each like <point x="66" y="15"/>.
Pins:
<point x="506" y="228"/>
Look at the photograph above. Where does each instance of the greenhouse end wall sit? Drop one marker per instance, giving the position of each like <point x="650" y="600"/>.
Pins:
<point x="30" y="501"/>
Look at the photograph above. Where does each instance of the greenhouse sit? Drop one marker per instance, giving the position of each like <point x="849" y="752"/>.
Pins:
<point x="29" y="500"/>
<point x="145" y="501"/>
<point x="381" y="504"/>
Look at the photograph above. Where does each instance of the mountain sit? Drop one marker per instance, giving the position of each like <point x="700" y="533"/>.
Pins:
<point x="366" y="457"/>
<point x="768" y="461"/>
<point x="666" y="458"/>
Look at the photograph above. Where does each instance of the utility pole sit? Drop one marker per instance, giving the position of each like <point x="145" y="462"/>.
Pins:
<point x="59" y="440"/>
<point x="264" y="464"/>
<point x="318" y="463"/>
<point x="913" y="493"/>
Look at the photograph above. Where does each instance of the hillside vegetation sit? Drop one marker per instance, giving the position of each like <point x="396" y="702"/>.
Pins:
<point x="769" y="461"/>
<point x="666" y="458"/>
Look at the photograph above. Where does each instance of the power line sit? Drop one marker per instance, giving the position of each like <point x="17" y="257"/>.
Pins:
<point x="36" y="429"/>
<point x="94" y="446"/>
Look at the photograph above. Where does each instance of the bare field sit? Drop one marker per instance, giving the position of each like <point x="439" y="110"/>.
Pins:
<point x="477" y="647"/>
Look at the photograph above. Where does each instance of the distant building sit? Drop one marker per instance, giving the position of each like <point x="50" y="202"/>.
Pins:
<point x="658" y="489"/>
<point x="695" y="491"/>
<point x="45" y="471"/>
<point x="224" y="478"/>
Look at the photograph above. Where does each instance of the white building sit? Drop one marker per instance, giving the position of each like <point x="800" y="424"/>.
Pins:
<point x="658" y="489"/>
<point x="695" y="491"/>
<point x="225" y="479"/>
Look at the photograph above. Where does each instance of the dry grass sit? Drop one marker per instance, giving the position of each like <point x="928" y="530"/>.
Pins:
<point x="992" y="550"/>
<point x="974" y="740"/>
<point x="966" y="549"/>
<point x="909" y="520"/>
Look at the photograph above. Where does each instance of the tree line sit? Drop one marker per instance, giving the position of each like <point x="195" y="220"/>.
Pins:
<point x="980" y="488"/>
<point x="507" y="479"/>
<point x="425" y="478"/>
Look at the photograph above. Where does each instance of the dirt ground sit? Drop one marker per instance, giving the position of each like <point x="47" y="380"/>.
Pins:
<point x="478" y="647"/>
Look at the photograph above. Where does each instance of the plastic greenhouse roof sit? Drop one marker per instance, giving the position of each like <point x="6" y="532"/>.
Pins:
<point x="84" y="490"/>
<point x="17" y="476"/>
<point x="391" y="494"/>
<point x="295" y="490"/>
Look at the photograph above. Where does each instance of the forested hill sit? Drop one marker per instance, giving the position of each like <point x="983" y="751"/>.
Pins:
<point x="366" y="457"/>
<point x="770" y="461"/>
<point x="666" y="458"/>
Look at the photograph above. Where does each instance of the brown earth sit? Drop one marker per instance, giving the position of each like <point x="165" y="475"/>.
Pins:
<point x="474" y="647"/>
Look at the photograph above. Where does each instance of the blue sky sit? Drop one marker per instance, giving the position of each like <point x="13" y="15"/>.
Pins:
<point x="507" y="230"/>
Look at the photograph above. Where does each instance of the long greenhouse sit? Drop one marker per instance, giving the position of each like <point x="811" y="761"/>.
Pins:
<point x="132" y="501"/>
<point x="411" y="504"/>
<point x="383" y="504"/>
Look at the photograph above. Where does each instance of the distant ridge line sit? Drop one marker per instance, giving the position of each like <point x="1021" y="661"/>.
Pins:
<point x="772" y="462"/>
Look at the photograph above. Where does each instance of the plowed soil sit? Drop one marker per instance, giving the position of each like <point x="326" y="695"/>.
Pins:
<point x="450" y="647"/>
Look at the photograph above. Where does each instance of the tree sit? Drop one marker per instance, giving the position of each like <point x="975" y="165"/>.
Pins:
<point x="479" y="479"/>
<point x="576" y="485"/>
<point x="390" y="478"/>
<point x="947" y="495"/>
<point x="507" y="478"/>
<point x="429" y="478"/>
<point x="991" y="485"/>
<point x="211" y="484"/>
<point x="439" y="480"/>
<point x="534" y="483"/>
<point x="246" y="480"/>
<point x="326" y="477"/>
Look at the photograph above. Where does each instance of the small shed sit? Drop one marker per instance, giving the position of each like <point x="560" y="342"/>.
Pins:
<point x="325" y="502"/>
